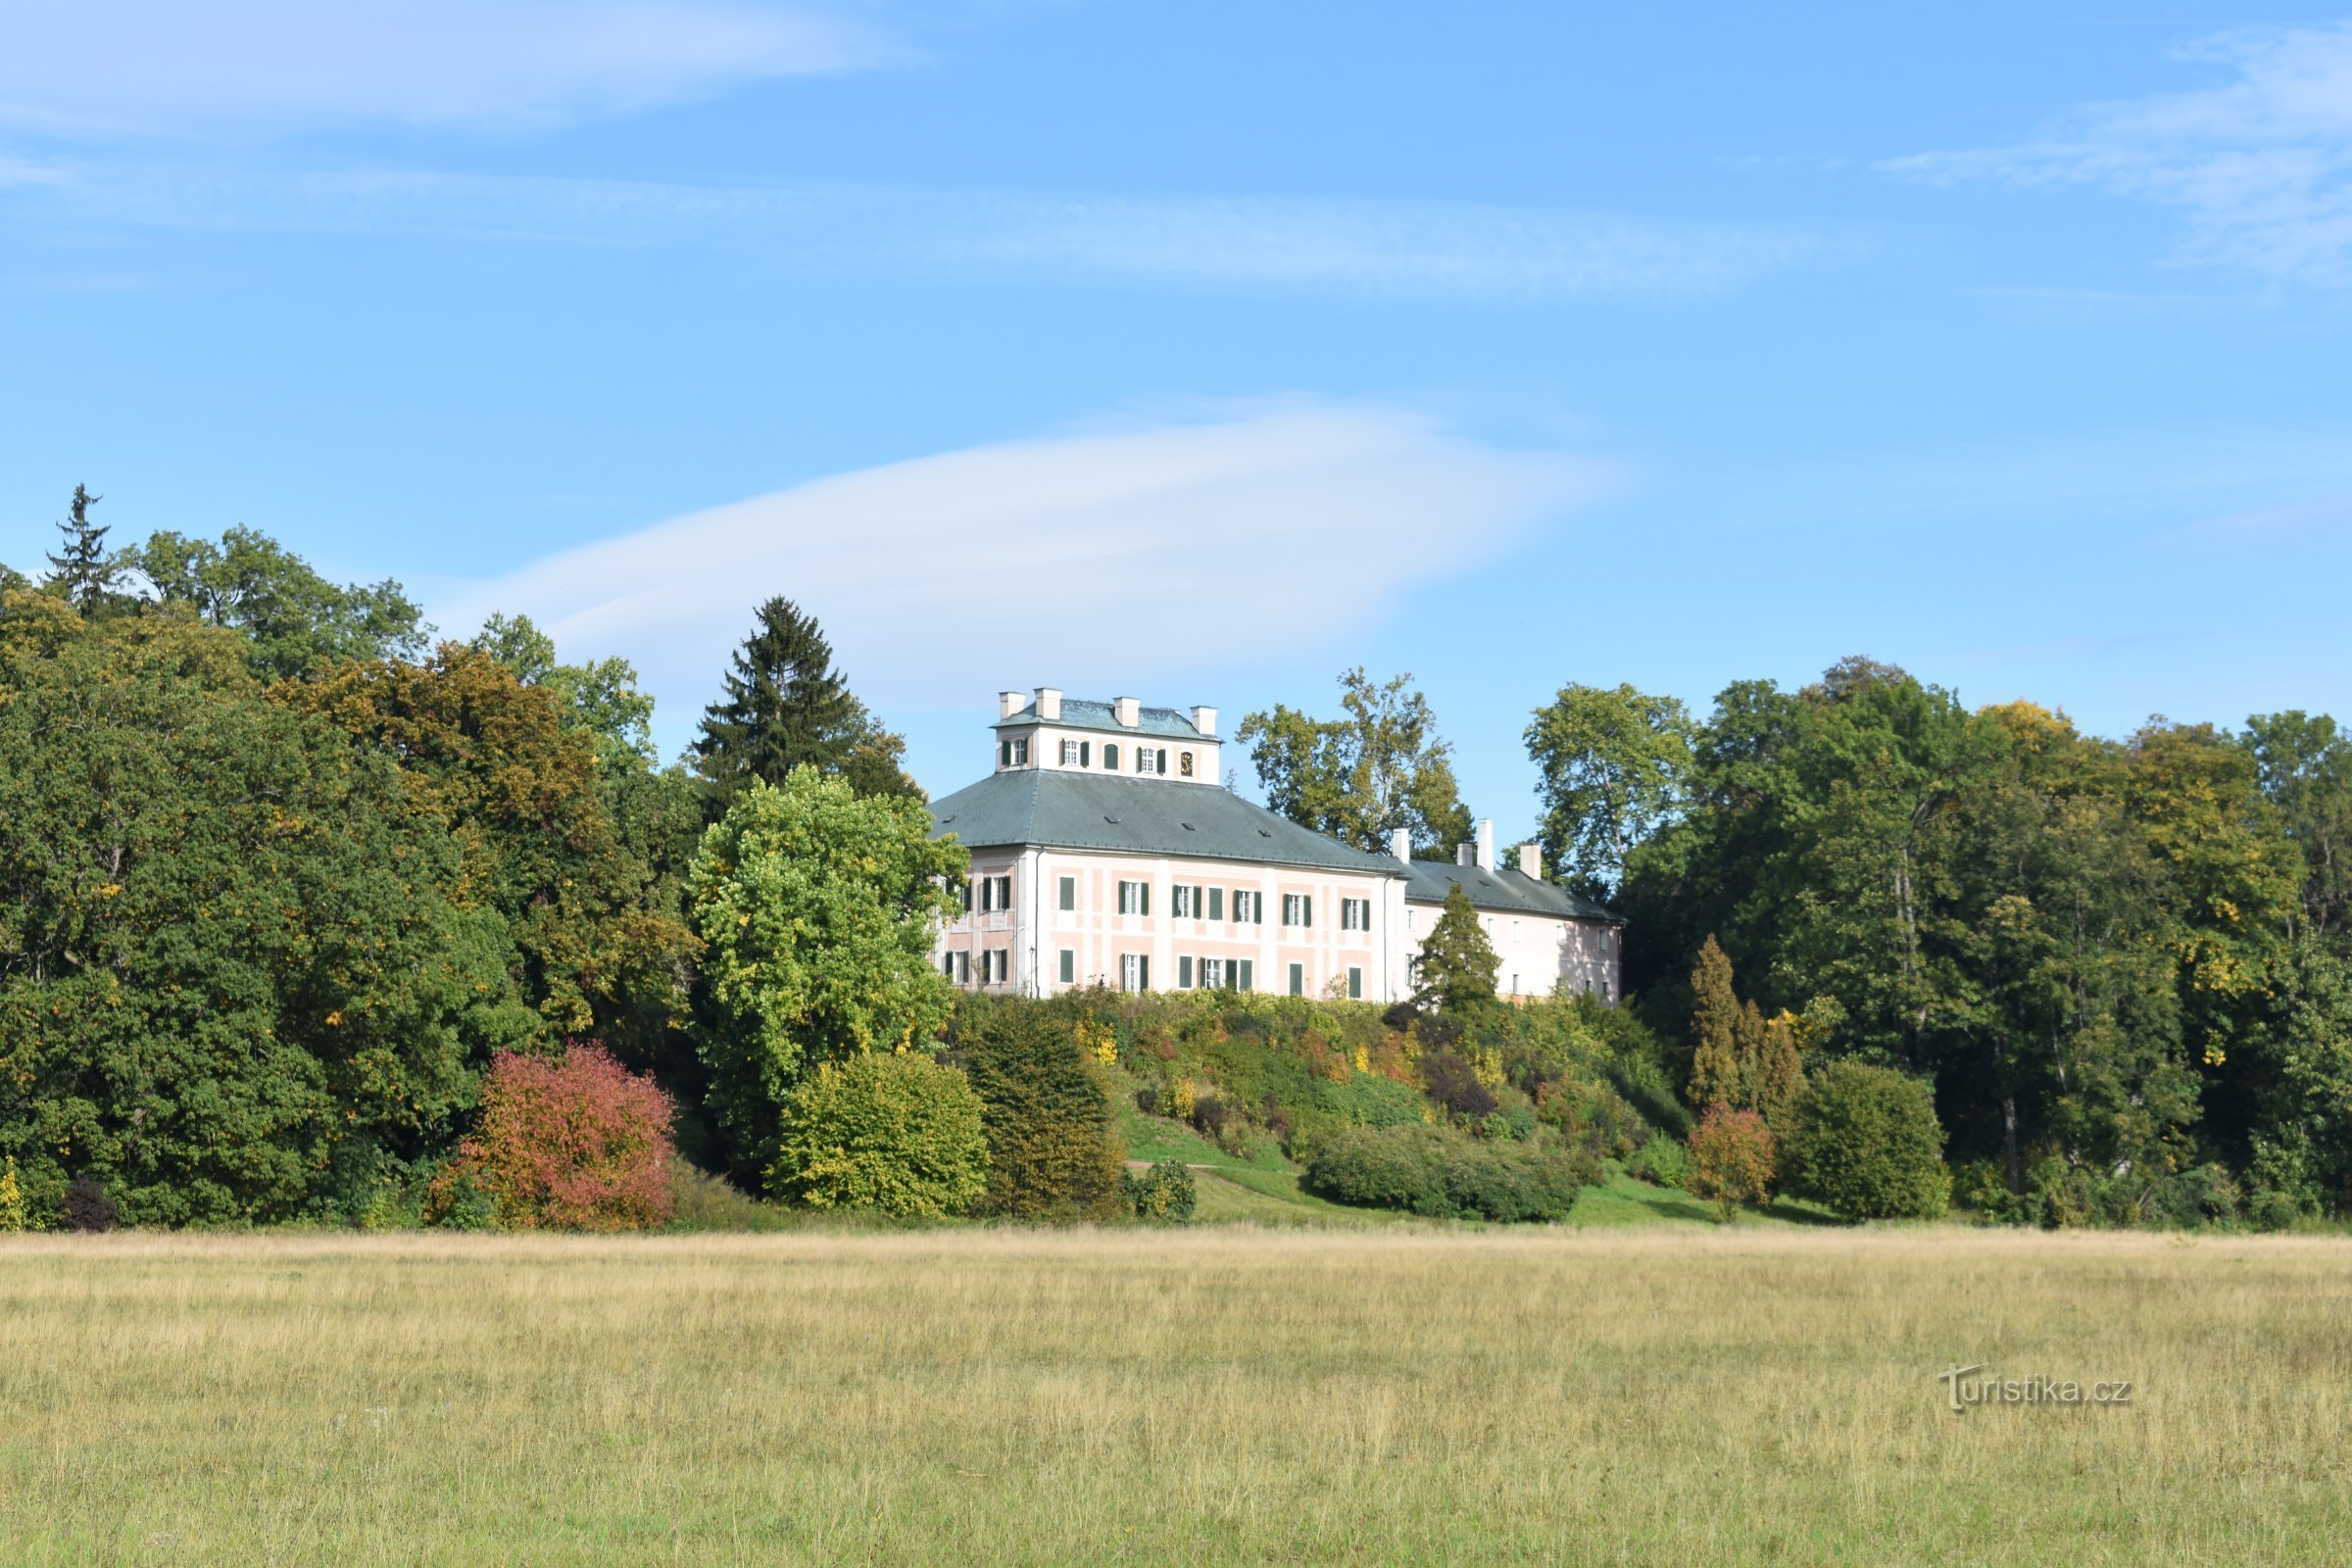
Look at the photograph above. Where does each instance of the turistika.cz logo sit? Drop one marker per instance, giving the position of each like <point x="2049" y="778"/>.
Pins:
<point x="1965" y="1388"/>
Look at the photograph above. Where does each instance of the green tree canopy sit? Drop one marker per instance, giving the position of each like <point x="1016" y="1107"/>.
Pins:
<point x="818" y="909"/>
<point x="600" y="698"/>
<point x="1360" y="777"/>
<point x="1612" y="764"/>
<point x="232" y="982"/>
<point x="1457" y="963"/>
<point x="295" y="622"/>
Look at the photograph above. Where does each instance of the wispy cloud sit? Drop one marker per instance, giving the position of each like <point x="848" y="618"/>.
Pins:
<point x="1104" y="556"/>
<point x="114" y="66"/>
<point x="2261" y="164"/>
<point x="1375" y="249"/>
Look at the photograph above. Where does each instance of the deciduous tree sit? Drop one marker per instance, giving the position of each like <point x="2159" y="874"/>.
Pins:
<point x="1359" y="778"/>
<point x="1612" y="764"/>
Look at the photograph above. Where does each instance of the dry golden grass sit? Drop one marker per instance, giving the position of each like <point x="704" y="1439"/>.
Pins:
<point x="1213" y="1396"/>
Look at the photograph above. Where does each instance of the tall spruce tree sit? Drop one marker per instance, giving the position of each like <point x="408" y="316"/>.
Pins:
<point x="1714" y="1030"/>
<point x="786" y="704"/>
<point x="87" y="572"/>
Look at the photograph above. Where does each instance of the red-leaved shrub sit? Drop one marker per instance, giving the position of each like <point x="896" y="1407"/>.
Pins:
<point x="576" y="1143"/>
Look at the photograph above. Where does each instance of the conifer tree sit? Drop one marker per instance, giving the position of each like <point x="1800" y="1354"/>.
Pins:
<point x="1714" y="1030"/>
<point x="786" y="704"/>
<point x="1778" y="1071"/>
<point x="85" y="574"/>
<point x="1457" y="963"/>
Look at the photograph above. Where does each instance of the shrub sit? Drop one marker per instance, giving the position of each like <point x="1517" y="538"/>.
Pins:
<point x="1146" y="1101"/>
<point x="11" y="1199"/>
<point x="576" y="1141"/>
<point x="1164" y="1194"/>
<point x="1442" y="1172"/>
<point x="1052" y="1152"/>
<point x="1661" y="1163"/>
<point x="1864" y="1140"/>
<point x="86" y="1206"/>
<point x="890" y="1130"/>
<point x="1731" y="1160"/>
<point x="1453" y="1085"/>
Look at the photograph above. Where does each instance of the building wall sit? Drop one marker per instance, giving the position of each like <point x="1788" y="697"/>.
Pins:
<point x="1045" y="751"/>
<point x="1037" y="930"/>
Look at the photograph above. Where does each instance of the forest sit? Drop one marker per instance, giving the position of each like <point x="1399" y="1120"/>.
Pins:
<point x="304" y="915"/>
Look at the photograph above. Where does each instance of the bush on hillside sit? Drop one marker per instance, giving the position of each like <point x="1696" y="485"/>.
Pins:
<point x="1046" y="1112"/>
<point x="1731" y="1160"/>
<point x="1164" y="1194"/>
<point x="87" y="1207"/>
<point x="890" y="1130"/>
<point x="1455" y="1085"/>
<point x="13" y="1217"/>
<point x="574" y="1143"/>
<point x="1661" y="1163"/>
<point x="1444" y="1173"/>
<point x="1864" y="1141"/>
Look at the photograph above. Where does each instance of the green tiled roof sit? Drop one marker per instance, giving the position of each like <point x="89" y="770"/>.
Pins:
<point x="1041" y="806"/>
<point x="1078" y="712"/>
<point x="1509" y="890"/>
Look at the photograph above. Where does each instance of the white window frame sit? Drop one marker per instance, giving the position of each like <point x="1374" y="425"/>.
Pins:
<point x="1135" y="971"/>
<point x="996" y="966"/>
<point x="1069" y="754"/>
<point x="1248" y="906"/>
<point x="1135" y="898"/>
<point x="1211" y="974"/>
<point x="996" y="893"/>
<point x="958" y="968"/>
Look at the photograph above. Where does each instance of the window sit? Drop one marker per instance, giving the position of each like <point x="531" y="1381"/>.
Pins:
<point x="1216" y="904"/>
<point x="1355" y="984"/>
<point x="1355" y="914"/>
<point x="1185" y="903"/>
<point x="1014" y="752"/>
<point x="994" y="966"/>
<point x="1069" y="965"/>
<point x="1135" y="971"/>
<point x="1514" y="984"/>
<point x="1298" y="979"/>
<point x="963" y="895"/>
<point x="1297" y="909"/>
<point x="958" y="968"/>
<point x="1184" y="974"/>
<point x="1135" y="898"/>
<point x="1077" y="754"/>
<point x="1151" y="758"/>
<point x="996" y="893"/>
<point x="1242" y="980"/>
<point x="1213" y="972"/>
<point x="1111" y="755"/>
<point x="1184" y="765"/>
<point x="1069" y="893"/>
<point x="1248" y="909"/>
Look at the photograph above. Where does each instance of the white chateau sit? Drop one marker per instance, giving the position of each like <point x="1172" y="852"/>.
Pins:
<point x="1106" y="851"/>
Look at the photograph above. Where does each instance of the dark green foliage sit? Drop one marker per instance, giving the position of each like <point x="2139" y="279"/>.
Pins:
<point x="1443" y="1173"/>
<point x="295" y="622"/>
<point x="1053" y="1152"/>
<point x="85" y="1207"/>
<point x="1864" y="1140"/>
<point x="85" y="574"/>
<point x="1457" y="963"/>
<point x="232" y="982"/>
<point x="1164" y="1194"/>
<point x="1361" y="778"/>
<point x="787" y="706"/>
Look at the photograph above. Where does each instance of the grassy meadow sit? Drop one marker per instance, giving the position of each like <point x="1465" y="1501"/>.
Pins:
<point x="1391" y="1395"/>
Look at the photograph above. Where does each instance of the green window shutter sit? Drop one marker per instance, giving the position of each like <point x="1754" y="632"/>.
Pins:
<point x="1306" y="909"/>
<point x="1069" y="893"/>
<point x="1143" y="971"/>
<point x="1184" y="974"/>
<point x="1245" y="979"/>
<point x="1216" y="904"/>
<point x="1069" y="965"/>
<point x="1163" y="760"/>
<point x="1143" y="898"/>
<point x="1298" y="979"/>
<point x="1111" y="755"/>
<point x="1086" y="754"/>
<point x="1004" y="754"/>
<point x="1355" y="984"/>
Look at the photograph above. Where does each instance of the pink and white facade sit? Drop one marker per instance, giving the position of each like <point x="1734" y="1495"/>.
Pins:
<point x="1106" y="851"/>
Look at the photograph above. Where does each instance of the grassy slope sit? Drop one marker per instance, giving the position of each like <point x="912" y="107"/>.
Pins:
<point x="1264" y="1188"/>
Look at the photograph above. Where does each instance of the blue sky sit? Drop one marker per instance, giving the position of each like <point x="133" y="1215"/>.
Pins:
<point x="1201" y="351"/>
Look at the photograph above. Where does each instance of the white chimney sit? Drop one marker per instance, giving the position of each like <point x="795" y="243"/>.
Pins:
<point x="1401" y="844"/>
<point x="1204" y="721"/>
<point x="1129" y="711"/>
<point x="1010" y="703"/>
<point x="1466" y="854"/>
<point x="1048" y="702"/>
<point x="1531" y="862"/>
<point x="1485" y="843"/>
